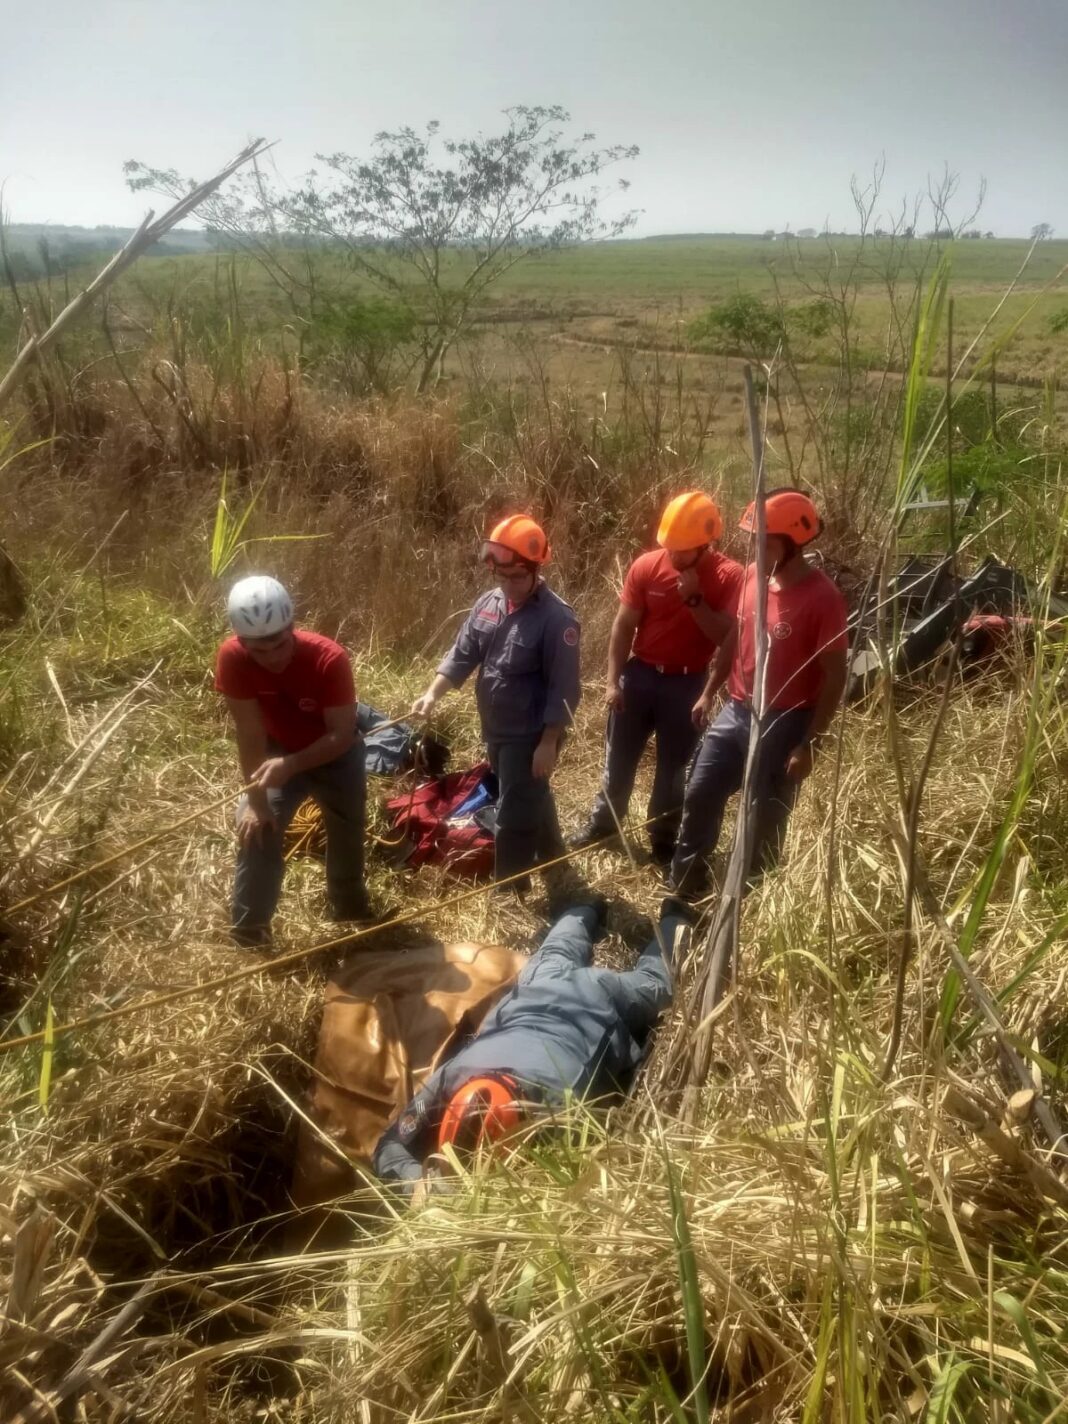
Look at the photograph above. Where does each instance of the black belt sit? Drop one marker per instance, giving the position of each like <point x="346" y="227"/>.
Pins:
<point x="673" y="671"/>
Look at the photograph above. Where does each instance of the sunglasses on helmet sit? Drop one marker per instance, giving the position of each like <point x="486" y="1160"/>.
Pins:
<point x="502" y="560"/>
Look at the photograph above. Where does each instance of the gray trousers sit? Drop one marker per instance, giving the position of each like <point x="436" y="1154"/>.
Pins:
<point x="653" y="702"/>
<point x="339" y="789"/>
<point x="639" y="995"/>
<point x="528" y="829"/>
<point x="717" y="774"/>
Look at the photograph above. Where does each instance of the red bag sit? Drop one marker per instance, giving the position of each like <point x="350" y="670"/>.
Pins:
<point x="463" y="846"/>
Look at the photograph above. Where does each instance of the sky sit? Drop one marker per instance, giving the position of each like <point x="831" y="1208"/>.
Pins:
<point x="748" y="116"/>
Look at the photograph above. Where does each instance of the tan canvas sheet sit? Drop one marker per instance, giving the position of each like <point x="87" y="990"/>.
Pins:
<point x="387" y="1016"/>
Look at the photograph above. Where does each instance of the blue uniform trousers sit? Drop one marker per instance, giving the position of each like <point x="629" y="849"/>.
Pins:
<point x="528" y="829"/>
<point x="717" y="774"/>
<point x="339" y="789"/>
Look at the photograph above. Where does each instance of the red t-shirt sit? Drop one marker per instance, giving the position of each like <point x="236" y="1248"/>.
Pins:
<point x="668" y="636"/>
<point x="805" y="620"/>
<point x="292" y="701"/>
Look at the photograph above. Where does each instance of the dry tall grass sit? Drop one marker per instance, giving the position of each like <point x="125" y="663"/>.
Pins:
<point x="818" y="1245"/>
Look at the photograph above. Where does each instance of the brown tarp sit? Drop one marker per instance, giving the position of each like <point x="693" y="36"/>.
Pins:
<point x="388" y="1016"/>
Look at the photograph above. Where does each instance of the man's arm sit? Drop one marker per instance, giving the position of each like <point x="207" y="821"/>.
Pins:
<point x="718" y="672"/>
<point x="459" y="663"/>
<point x="425" y="704"/>
<point x="395" y="1163"/>
<point x="560" y="668"/>
<point x="251" y="754"/>
<point x="543" y="763"/>
<point x="640" y="995"/>
<point x="336" y="740"/>
<point x="834" y="666"/>
<point x="251" y="736"/>
<point x="403" y="1147"/>
<point x="620" y="642"/>
<point x="714" y="623"/>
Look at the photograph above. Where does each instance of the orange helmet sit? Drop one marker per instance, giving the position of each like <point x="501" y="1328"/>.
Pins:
<point x="786" y="512"/>
<point x="519" y="535"/>
<point x="690" y="520"/>
<point x="483" y="1110"/>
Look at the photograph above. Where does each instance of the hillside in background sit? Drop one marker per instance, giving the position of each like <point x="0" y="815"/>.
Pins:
<point x="37" y="249"/>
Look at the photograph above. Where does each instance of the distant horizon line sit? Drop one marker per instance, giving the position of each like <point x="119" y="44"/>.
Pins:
<point x="806" y="233"/>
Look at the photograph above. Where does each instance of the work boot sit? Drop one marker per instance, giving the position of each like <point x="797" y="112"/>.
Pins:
<point x="252" y="936"/>
<point x="672" y="907"/>
<point x="662" y="853"/>
<point x="519" y="889"/>
<point x="352" y="912"/>
<point x="590" y="835"/>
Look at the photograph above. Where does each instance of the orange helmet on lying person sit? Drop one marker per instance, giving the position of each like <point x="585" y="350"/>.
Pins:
<point x="483" y="1111"/>
<point x="788" y="514"/>
<point x="690" y="521"/>
<point x="517" y="539"/>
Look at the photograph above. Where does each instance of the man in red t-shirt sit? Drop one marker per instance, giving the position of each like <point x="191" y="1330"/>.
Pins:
<point x="293" y="704"/>
<point x="804" y="679"/>
<point x="677" y="604"/>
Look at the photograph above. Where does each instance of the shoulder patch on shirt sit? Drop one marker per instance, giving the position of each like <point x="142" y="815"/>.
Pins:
<point x="571" y="636"/>
<point x="411" y="1120"/>
<point x="308" y="704"/>
<point x="781" y="630"/>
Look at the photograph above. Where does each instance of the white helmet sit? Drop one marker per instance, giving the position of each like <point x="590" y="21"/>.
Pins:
<point x="259" y="606"/>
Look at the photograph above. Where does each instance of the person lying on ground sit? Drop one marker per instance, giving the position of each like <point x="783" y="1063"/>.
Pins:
<point x="292" y="699"/>
<point x="804" y="681"/>
<point x="524" y="641"/>
<point x="676" y="607"/>
<point x="566" y="1030"/>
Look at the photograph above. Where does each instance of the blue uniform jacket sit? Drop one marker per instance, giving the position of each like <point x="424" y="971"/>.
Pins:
<point x="527" y="660"/>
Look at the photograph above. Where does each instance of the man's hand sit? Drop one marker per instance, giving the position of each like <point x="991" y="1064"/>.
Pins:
<point x="688" y="584"/>
<point x="275" y="771"/>
<point x="423" y="706"/>
<point x="613" y="697"/>
<point x="799" y="764"/>
<point x="252" y="822"/>
<point x="702" y="711"/>
<point x="543" y="763"/>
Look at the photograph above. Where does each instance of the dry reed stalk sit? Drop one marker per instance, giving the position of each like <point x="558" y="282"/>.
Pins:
<point x="722" y="946"/>
<point x="114" y="720"/>
<point x="148" y="233"/>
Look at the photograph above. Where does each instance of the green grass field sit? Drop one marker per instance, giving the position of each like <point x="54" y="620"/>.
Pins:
<point x="642" y="293"/>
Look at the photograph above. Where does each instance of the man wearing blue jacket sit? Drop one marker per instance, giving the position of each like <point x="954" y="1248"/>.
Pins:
<point x="566" y="1029"/>
<point x="524" y="641"/>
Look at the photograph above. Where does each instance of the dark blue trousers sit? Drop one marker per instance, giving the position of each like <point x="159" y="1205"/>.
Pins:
<point x="339" y="788"/>
<point x="528" y="829"/>
<point x="717" y="774"/>
<point x="653" y="702"/>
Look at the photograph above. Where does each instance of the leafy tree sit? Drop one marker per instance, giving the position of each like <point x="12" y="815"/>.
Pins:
<point x="357" y="343"/>
<point x="756" y="329"/>
<point x="743" y="324"/>
<point x="1041" y="231"/>
<point x="430" y="223"/>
